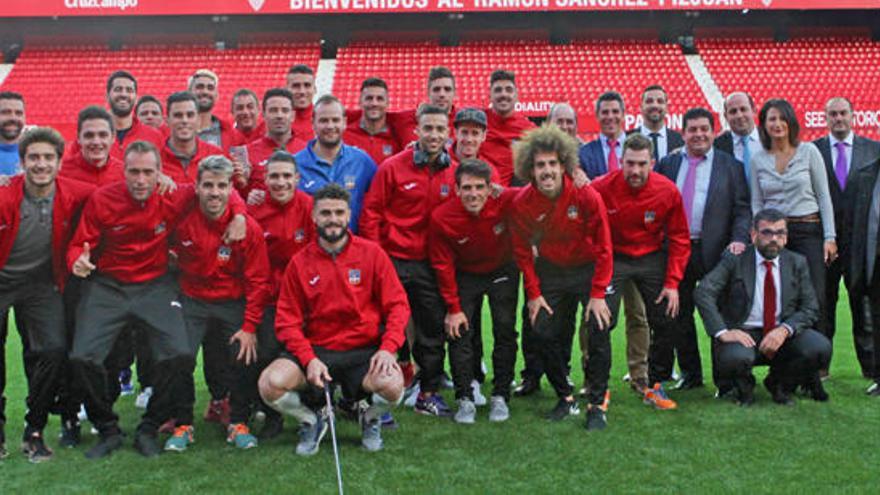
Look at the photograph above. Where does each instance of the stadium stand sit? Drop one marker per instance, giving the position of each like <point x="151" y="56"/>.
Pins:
<point x="59" y="80"/>
<point x="577" y="72"/>
<point x="806" y="71"/>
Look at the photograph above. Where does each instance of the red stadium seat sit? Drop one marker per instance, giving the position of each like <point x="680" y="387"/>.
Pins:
<point x="160" y="68"/>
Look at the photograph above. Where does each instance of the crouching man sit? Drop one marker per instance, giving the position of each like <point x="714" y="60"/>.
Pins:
<point x="341" y="315"/>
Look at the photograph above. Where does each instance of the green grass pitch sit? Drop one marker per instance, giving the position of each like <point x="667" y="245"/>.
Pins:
<point x="706" y="446"/>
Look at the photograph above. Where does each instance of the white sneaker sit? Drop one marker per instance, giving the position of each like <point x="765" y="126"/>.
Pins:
<point x="81" y="415"/>
<point x="143" y="398"/>
<point x="466" y="413"/>
<point x="479" y="398"/>
<point x="498" y="411"/>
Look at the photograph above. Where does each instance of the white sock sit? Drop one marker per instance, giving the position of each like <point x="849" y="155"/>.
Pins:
<point x="379" y="406"/>
<point x="290" y="404"/>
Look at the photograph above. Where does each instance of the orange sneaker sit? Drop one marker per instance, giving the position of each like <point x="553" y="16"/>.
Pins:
<point x="240" y="436"/>
<point x="181" y="439"/>
<point x="657" y="397"/>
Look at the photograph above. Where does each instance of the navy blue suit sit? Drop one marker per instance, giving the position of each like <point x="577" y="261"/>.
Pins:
<point x="592" y="159"/>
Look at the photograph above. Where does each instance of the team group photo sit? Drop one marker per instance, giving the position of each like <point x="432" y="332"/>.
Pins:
<point x="298" y="248"/>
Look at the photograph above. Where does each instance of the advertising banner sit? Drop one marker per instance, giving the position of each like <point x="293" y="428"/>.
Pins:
<point x="65" y="8"/>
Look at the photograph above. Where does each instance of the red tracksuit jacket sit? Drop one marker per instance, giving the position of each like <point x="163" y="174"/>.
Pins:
<point x="70" y="196"/>
<point x="259" y="152"/>
<point x="74" y="166"/>
<point x="339" y="302"/>
<point x="287" y="228"/>
<point x="213" y="271"/>
<point x="398" y="205"/>
<point x="229" y="135"/>
<point x="128" y="238"/>
<point x="137" y="132"/>
<point x="402" y="124"/>
<point x="570" y="231"/>
<point x="379" y="146"/>
<point x="302" y="124"/>
<point x="458" y="240"/>
<point x="172" y="167"/>
<point x="643" y="219"/>
<point x="500" y="135"/>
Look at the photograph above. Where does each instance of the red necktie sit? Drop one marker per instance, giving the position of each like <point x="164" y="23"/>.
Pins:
<point x="769" y="299"/>
<point x="613" y="165"/>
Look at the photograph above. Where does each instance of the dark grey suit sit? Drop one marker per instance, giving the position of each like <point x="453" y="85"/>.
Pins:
<point x="724" y="142"/>
<point x="864" y="151"/>
<point x="862" y="269"/>
<point x="726" y="219"/>
<point x="724" y="299"/>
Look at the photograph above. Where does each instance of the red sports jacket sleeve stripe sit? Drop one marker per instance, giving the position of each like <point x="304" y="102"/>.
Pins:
<point x="600" y="234"/>
<point x="88" y="230"/>
<point x="289" y="318"/>
<point x="524" y="255"/>
<point x="375" y="202"/>
<point x="256" y="278"/>
<point x="443" y="260"/>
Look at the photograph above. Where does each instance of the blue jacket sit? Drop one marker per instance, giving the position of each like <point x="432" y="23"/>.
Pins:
<point x="592" y="159"/>
<point x="353" y="169"/>
<point x="9" y="159"/>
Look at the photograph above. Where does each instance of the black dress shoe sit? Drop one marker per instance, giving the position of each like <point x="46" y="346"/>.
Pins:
<point x="147" y="444"/>
<point x="105" y="446"/>
<point x="815" y="389"/>
<point x="744" y="389"/>
<point x="777" y="391"/>
<point x="528" y="387"/>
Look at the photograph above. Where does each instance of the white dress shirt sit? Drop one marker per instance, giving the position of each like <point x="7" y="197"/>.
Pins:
<point x="662" y="141"/>
<point x="701" y="189"/>
<point x="754" y="144"/>
<point x="756" y="315"/>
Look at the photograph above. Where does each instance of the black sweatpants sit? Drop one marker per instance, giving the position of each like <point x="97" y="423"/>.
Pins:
<point x="500" y="286"/>
<point x="533" y="368"/>
<point x="563" y="288"/>
<point x="268" y="349"/>
<point x="683" y="340"/>
<point x="107" y="307"/>
<point x="40" y="310"/>
<point x="648" y="273"/>
<point x="218" y="322"/>
<point x="428" y="313"/>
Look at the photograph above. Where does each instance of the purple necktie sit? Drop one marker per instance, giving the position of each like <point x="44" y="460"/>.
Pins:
<point x="690" y="185"/>
<point x="840" y="168"/>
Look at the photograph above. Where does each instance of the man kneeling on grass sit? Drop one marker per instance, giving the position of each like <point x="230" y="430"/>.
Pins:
<point x="341" y="316"/>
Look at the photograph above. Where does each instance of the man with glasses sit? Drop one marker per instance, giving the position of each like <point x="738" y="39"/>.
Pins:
<point x="761" y="307"/>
